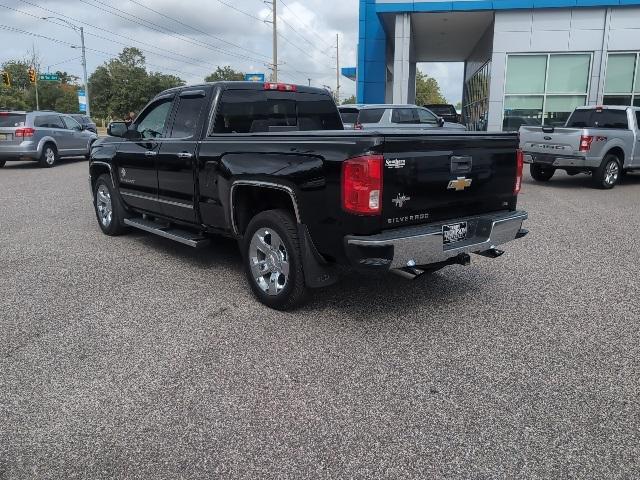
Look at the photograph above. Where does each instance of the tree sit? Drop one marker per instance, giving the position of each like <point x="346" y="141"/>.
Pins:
<point x="349" y="101"/>
<point x="225" y="73"/>
<point x="19" y="72"/>
<point x="122" y="85"/>
<point x="427" y="90"/>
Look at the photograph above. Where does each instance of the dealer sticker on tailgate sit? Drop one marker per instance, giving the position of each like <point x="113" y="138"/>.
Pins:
<point x="454" y="232"/>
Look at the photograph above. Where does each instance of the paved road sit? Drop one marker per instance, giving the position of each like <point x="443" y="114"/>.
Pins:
<point x="134" y="357"/>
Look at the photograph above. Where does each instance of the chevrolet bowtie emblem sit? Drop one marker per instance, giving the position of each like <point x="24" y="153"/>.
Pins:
<point x="459" y="184"/>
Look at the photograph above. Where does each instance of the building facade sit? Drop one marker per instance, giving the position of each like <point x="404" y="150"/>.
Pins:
<point x="527" y="62"/>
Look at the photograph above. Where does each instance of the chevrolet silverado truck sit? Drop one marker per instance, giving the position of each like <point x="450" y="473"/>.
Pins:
<point x="600" y="141"/>
<point x="271" y="166"/>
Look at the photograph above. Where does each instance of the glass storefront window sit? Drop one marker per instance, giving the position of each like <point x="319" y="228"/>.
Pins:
<point x="560" y="107"/>
<point x="568" y="73"/>
<point x="620" y="71"/>
<point x="548" y="88"/>
<point x="617" y="100"/>
<point x="526" y="73"/>
<point x="476" y="99"/>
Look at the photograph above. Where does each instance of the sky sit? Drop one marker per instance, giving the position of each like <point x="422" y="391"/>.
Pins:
<point x="189" y="38"/>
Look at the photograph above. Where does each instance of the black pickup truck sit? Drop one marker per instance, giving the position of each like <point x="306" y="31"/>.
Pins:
<point x="271" y="166"/>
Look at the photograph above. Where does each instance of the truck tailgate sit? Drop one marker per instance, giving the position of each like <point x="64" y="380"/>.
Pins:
<point x="427" y="180"/>
<point x="559" y="141"/>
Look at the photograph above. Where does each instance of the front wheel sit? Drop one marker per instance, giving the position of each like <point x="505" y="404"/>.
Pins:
<point x="541" y="173"/>
<point x="608" y="174"/>
<point x="109" y="210"/>
<point x="273" y="260"/>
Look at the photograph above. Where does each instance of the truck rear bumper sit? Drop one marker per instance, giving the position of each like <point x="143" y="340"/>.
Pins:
<point x="424" y="244"/>
<point x="562" y="161"/>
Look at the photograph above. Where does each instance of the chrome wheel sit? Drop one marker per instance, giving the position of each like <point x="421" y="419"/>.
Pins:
<point x="49" y="156"/>
<point x="269" y="261"/>
<point x="612" y="172"/>
<point x="103" y="205"/>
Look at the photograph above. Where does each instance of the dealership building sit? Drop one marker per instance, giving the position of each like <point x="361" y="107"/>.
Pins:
<point x="527" y="62"/>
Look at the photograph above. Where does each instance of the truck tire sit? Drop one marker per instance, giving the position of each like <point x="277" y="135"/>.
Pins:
<point x="273" y="260"/>
<point x="608" y="174"/>
<point x="2" y="163"/>
<point x="109" y="210"/>
<point x="49" y="156"/>
<point x="541" y="173"/>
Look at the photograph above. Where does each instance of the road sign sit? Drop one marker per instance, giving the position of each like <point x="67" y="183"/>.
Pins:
<point x="82" y="101"/>
<point x="49" y="77"/>
<point x="254" y="77"/>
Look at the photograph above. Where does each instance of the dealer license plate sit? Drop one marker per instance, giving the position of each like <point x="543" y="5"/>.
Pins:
<point x="454" y="232"/>
<point x="4" y="137"/>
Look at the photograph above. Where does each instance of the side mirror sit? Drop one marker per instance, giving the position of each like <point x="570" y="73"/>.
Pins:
<point x="117" y="129"/>
<point x="440" y="122"/>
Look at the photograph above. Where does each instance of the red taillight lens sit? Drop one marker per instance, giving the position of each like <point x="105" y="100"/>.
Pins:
<point x="24" y="132"/>
<point x="519" y="168"/>
<point x="362" y="185"/>
<point x="585" y="143"/>
<point x="280" y="87"/>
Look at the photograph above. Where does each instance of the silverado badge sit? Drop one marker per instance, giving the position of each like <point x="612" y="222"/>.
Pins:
<point x="459" y="184"/>
<point x="395" y="163"/>
<point x="400" y="200"/>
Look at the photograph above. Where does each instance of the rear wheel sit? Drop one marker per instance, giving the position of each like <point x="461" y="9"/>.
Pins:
<point x="273" y="260"/>
<point x="2" y="163"/>
<point x="49" y="156"/>
<point x="541" y="173"/>
<point x="608" y="174"/>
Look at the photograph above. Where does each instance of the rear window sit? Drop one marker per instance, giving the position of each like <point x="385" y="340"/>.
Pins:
<point x="371" y="115"/>
<point x="48" y="121"/>
<point x="349" y="116"/>
<point x="441" y="109"/>
<point x="12" y="119"/>
<point x="255" y="111"/>
<point x="604" y="118"/>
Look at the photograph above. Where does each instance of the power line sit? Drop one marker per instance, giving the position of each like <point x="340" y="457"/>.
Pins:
<point x="196" y="62"/>
<point x="305" y="25"/>
<point x="196" y="29"/>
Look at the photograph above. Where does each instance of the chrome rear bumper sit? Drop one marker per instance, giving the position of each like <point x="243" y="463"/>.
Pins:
<point x="423" y="244"/>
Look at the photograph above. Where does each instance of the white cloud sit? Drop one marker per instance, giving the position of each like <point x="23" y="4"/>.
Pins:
<point x="449" y="76"/>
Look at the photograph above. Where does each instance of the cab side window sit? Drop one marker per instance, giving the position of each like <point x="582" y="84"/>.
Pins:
<point x="187" y="116"/>
<point x="404" y="115"/>
<point x="154" y="120"/>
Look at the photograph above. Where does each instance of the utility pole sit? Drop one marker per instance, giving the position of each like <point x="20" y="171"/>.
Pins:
<point x="84" y="71"/>
<point x="35" y="68"/>
<point x="337" y="69"/>
<point x="275" y="41"/>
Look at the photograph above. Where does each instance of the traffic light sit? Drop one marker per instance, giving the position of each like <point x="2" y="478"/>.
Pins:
<point x="32" y="75"/>
<point x="6" y="79"/>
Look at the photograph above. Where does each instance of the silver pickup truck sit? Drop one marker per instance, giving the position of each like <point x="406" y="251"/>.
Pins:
<point x="602" y="141"/>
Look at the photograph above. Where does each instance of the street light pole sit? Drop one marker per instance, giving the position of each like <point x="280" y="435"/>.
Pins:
<point x="84" y="69"/>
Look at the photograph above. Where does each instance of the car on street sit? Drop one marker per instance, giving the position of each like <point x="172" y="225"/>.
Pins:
<point x="445" y="110"/>
<point x="43" y="136"/>
<point x="602" y="141"/>
<point x="85" y="121"/>
<point x="272" y="167"/>
<point x="395" y="117"/>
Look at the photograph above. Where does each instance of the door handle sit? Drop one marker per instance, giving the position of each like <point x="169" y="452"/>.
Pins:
<point x="150" y="153"/>
<point x="185" y="155"/>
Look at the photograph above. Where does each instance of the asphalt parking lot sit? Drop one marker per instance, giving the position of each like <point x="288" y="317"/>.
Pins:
<point x="134" y="357"/>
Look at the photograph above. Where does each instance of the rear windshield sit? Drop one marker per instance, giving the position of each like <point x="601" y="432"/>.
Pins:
<point x="599" y="118"/>
<point x="256" y="111"/>
<point x="12" y="119"/>
<point x="370" y="115"/>
<point x="349" y="116"/>
<point x="441" y="109"/>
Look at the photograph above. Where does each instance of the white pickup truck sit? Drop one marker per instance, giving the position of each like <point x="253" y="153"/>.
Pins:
<point x="602" y="141"/>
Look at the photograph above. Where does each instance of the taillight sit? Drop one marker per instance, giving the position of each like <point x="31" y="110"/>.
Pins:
<point x="362" y="185"/>
<point x="585" y="143"/>
<point x="519" y="168"/>
<point x="24" y="132"/>
<point x="280" y="87"/>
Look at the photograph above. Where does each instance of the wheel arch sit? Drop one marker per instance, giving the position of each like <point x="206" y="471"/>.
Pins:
<point x="618" y="151"/>
<point x="95" y="170"/>
<point x="43" y="141"/>
<point x="250" y="197"/>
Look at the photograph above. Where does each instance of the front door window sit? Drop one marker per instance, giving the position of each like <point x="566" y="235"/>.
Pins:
<point x="154" y="120"/>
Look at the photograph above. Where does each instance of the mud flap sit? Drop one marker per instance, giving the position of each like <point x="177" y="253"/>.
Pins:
<point x="317" y="272"/>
